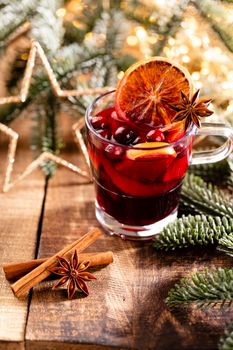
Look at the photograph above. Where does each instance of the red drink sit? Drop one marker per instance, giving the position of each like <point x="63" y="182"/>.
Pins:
<point x="137" y="168"/>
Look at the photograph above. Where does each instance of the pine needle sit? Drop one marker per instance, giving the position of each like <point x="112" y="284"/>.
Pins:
<point x="205" y="197"/>
<point x="47" y="27"/>
<point x="15" y="13"/>
<point x="204" y="288"/>
<point x="226" y="244"/>
<point x="226" y="342"/>
<point x="193" y="230"/>
<point x="219" y="173"/>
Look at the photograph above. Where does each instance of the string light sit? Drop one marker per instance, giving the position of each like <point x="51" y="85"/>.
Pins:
<point x="120" y="75"/>
<point x="61" y="12"/>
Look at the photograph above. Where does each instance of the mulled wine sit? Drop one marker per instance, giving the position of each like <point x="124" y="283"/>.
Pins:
<point x="138" y="169"/>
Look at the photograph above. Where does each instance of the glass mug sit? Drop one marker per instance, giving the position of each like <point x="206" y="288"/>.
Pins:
<point x="138" y="189"/>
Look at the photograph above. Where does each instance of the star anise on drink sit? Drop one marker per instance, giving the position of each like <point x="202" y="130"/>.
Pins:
<point x="191" y="110"/>
<point x="73" y="274"/>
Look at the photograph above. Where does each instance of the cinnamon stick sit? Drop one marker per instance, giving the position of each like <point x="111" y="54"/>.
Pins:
<point x="14" y="271"/>
<point x="22" y="286"/>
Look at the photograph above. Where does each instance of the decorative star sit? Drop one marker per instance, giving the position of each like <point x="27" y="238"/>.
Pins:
<point x="35" y="50"/>
<point x="191" y="110"/>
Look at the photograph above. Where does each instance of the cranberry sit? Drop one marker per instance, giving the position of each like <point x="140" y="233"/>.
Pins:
<point x="114" y="152"/>
<point x="99" y="122"/>
<point x="124" y="136"/>
<point x="155" y="135"/>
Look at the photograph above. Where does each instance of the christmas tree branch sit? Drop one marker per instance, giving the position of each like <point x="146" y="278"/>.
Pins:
<point x="193" y="230"/>
<point x="226" y="342"/>
<point x="15" y="13"/>
<point x="226" y="244"/>
<point x="47" y="27"/>
<point x="204" y="288"/>
<point x="218" y="173"/>
<point x="215" y="13"/>
<point x="205" y="197"/>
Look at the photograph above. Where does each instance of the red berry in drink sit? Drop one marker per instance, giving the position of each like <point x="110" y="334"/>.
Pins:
<point x="99" y="122"/>
<point x="114" y="152"/>
<point x="124" y="136"/>
<point x="155" y="136"/>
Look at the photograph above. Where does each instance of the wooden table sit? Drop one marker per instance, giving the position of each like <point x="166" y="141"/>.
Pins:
<point x="125" y="309"/>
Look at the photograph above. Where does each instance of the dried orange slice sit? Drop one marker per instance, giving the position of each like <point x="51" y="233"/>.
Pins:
<point x="148" y="87"/>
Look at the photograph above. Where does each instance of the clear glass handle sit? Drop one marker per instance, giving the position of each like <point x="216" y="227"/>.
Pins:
<point x="213" y="156"/>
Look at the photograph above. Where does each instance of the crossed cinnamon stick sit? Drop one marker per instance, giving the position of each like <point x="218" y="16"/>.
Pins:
<point x="35" y="271"/>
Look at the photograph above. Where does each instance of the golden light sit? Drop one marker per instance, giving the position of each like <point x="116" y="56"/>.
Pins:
<point x="183" y="49"/>
<point x="120" y="74"/>
<point x="198" y="85"/>
<point x="89" y="36"/>
<point x="61" y="12"/>
<point x="152" y="19"/>
<point x="171" y="41"/>
<point x="141" y="33"/>
<point x="152" y="39"/>
<point x="196" y="41"/>
<point x="132" y="40"/>
<point x="195" y="75"/>
<point x="186" y="59"/>
<point x="78" y="24"/>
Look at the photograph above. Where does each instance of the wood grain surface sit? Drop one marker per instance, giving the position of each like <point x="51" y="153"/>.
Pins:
<point x="125" y="308"/>
<point x="20" y="214"/>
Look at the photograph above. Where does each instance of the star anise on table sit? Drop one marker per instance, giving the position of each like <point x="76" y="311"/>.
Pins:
<point x="73" y="274"/>
<point x="191" y="110"/>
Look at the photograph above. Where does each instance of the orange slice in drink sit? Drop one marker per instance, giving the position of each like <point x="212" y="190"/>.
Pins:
<point x="147" y="161"/>
<point x="148" y="87"/>
<point x="151" y="150"/>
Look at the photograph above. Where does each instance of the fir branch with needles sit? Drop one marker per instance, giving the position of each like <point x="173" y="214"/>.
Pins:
<point x="226" y="244"/>
<point x="210" y="287"/>
<point x="205" y="197"/>
<point x="226" y="342"/>
<point x="14" y="13"/>
<point x="190" y="230"/>
<point x="216" y="15"/>
<point x="217" y="173"/>
<point x="47" y="27"/>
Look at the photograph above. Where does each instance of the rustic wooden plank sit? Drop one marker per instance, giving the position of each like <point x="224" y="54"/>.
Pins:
<point x="20" y="213"/>
<point x="12" y="345"/>
<point x="44" y="345"/>
<point x="125" y="308"/>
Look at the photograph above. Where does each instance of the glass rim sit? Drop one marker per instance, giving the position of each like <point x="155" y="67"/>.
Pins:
<point x="191" y="130"/>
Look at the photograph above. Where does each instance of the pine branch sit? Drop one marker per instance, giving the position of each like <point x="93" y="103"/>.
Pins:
<point x="166" y="24"/>
<point x="87" y="19"/>
<point x="226" y="342"/>
<point x="215" y="13"/>
<point x="15" y="13"/>
<point x="218" y="173"/>
<point x="226" y="244"/>
<point x="204" y="288"/>
<point x="205" y="197"/>
<point x="103" y="74"/>
<point x="193" y="230"/>
<point x="46" y="26"/>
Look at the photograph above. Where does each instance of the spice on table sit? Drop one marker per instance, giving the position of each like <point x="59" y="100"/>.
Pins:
<point x="14" y="271"/>
<point x="24" y="284"/>
<point x="73" y="274"/>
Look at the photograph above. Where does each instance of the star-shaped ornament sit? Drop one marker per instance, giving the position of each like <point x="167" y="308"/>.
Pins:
<point x="35" y="50"/>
